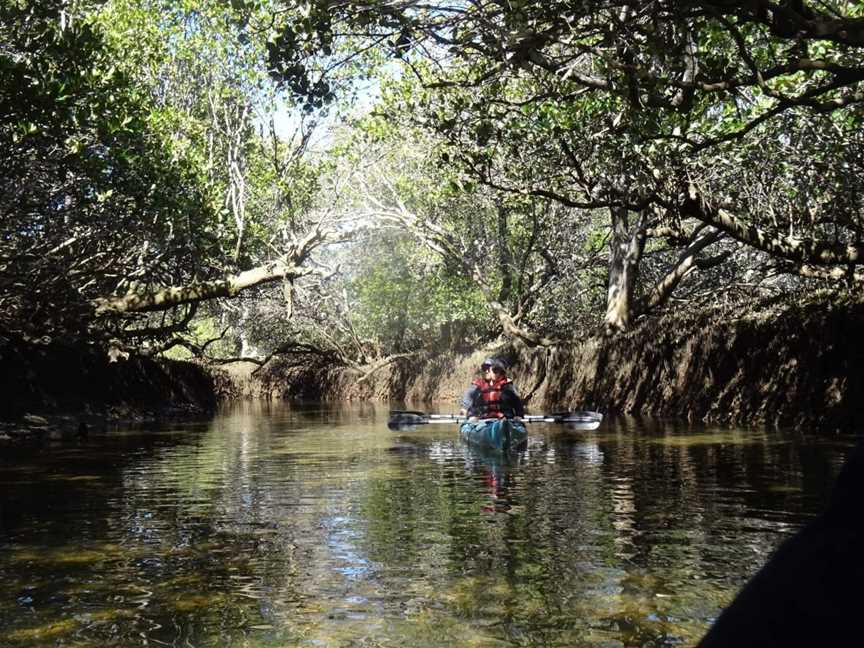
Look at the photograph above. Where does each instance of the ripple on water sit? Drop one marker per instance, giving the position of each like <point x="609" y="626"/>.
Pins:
<point x="273" y="526"/>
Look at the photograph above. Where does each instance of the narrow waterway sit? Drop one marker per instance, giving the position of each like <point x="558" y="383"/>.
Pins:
<point x="279" y="526"/>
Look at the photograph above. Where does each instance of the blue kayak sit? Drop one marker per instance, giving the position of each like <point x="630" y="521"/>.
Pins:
<point x="501" y="435"/>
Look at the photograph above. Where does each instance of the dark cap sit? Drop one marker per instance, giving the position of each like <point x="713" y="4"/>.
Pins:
<point x="495" y="363"/>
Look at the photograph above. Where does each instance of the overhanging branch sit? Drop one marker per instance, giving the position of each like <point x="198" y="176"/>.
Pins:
<point x="799" y="250"/>
<point x="287" y="267"/>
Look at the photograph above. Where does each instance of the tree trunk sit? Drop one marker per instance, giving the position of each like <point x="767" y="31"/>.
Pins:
<point x="624" y="257"/>
<point x="247" y="349"/>
<point x="505" y="260"/>
<point x="688" y="262"/>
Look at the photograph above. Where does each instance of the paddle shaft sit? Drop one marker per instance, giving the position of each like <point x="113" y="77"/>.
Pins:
<point x="567" y="417"/>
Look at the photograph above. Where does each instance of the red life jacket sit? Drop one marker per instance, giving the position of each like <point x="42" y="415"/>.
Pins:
<point x="490" y="397"/>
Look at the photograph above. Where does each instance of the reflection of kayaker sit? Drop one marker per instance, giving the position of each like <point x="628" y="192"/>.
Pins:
<point x="499" y="486"/>
<point x="498" y="473"/>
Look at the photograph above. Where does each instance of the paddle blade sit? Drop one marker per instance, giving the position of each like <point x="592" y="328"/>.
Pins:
<point x="581" y="420"/>
<point x="406" y="420"/>
<point x="394" y="413"/>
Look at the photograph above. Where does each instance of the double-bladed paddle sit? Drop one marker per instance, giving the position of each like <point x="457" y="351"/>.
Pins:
<point x="581" y="419"/>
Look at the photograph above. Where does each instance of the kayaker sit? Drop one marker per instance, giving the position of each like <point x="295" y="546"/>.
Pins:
<point x="492" y="395"/>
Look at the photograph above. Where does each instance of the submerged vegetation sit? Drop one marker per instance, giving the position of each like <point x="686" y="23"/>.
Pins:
<point x="279" y="526"/>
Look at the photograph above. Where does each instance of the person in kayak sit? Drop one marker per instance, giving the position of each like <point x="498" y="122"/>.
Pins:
<point x="492" y="395"/>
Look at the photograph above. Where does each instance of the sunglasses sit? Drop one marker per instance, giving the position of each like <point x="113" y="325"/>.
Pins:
<point x="487" y="367"/>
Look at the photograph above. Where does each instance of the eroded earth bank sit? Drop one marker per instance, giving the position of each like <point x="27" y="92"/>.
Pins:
<point x="786" y="365"/>
<point x="795" y="366"/>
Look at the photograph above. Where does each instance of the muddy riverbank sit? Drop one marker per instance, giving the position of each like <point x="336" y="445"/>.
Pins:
<point x="784" y="365"/>
<point x="62" y="390"/>
<point x="780" y="365"/>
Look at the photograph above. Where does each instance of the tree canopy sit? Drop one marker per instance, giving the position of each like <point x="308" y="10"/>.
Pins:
<point x="701" y="127"/>
<point x="540" y="170"/>
<point x="139" y="183"/>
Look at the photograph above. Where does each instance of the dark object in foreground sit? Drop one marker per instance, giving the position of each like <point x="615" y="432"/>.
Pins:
<point x="809" y="592"/>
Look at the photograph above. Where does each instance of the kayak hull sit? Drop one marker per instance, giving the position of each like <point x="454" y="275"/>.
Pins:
<point x="500" y="435"/>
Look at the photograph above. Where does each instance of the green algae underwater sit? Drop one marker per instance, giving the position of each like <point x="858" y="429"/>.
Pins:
<point x="317" y="526"/>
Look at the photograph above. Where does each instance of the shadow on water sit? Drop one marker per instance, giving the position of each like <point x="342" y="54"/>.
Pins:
<point x="312" y="525"/>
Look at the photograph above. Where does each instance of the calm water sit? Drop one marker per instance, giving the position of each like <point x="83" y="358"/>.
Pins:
<point x="271" y="526"/>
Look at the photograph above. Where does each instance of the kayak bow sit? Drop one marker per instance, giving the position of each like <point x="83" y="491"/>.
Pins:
<point x="499" y="434"/>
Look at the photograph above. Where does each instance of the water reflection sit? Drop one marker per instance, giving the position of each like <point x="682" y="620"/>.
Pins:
<point x="318" y="526"/>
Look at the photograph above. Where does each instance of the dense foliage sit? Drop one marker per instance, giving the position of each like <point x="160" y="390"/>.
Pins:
<point x="532" y="169"/>
<point x="140" y="182"/>
<point x="92" y="197"/>
<point x="711" y="133"/>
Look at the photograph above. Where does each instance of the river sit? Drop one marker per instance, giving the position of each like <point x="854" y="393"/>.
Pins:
<point x="272" y="525"/>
